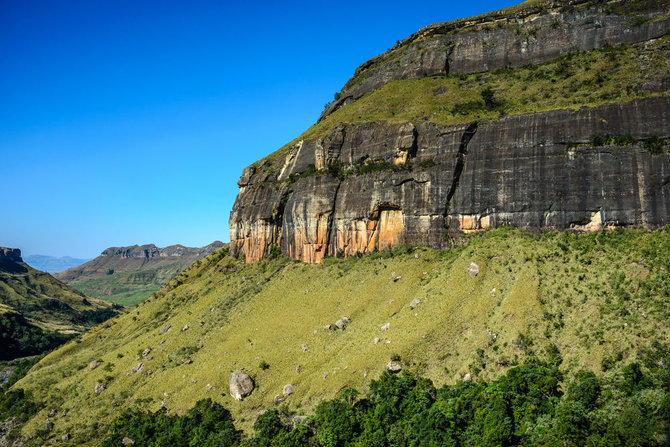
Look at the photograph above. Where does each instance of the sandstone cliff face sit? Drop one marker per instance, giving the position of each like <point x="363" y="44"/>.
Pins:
<point x="531" y="171"/>
<point x="375" y="185"/>
<point x="532" y="36"/>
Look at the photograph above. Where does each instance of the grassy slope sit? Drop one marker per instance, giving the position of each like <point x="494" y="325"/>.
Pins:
<point x="590" y="78"/>
<point x="46" y="302"/>
<point x="594" y="296"/>
<point x="132" y="281"/>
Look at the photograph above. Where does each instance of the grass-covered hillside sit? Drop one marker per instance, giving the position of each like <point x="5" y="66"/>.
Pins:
<point x="129" y="275"/>
<point x="38" y="312"/>
<point x="601" y="300"/>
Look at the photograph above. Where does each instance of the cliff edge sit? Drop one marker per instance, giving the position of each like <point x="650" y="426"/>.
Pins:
<point x="552" y="116"/>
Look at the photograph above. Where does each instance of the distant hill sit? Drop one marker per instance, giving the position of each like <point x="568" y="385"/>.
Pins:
<point x="52" y="264"/>
<point x="38" y="312"/>
<point x="128" y="275"/>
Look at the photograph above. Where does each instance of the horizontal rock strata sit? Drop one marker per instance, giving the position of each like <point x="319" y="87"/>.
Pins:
<point x="380" y="185"/>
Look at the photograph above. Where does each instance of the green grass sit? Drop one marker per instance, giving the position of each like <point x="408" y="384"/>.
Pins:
<point x="115" y="290"/>
<point x="595" y="296"/>
<point x="592" y="78"/>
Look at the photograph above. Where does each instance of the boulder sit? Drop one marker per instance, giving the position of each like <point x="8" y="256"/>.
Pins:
<point x="297" y="369"/>
<point x="127" y="441"/>
<point x="278" y="399"/>
<point x="467" y="378"/>
<point x="304" y="347"/>
<point x="327" y="327"/>
<point x="288" y="389"/>
<point x="99" y="387"/>
<point x="393" y="367"/>
<point x="138" y="369"/>
<point x="341" y="324"/>
<point x="163" y="330"/>
<point x="386" y="327"/>
<point x="146" y="352"/>
<point x="241" y="385"/>
<point x="48" y="426"/>
<point x="414" y="303"/>
<point x="473" y="270"/>
<point x="376" y="340"/>
<point x="94" y="364"/>
<point x="65" y="437"/>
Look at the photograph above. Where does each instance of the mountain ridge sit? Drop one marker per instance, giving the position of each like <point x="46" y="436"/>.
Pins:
<point x="127" y="275"/>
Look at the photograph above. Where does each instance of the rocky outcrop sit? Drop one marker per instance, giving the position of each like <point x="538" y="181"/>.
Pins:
<point x="375" y="185"/>
<point x="532" y="35"/>
<point x="8" y="255"/>
<point x="532" y="171"/>
<point x="241" y="385"/>
<point x="151" y="251"/>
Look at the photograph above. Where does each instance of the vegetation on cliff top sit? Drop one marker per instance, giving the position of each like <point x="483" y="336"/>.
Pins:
<point x="601" y="299"/>
<point x="610" y="74"/>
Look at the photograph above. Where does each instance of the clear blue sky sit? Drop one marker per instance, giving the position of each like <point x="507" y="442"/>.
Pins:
<point x="126" y="121"/>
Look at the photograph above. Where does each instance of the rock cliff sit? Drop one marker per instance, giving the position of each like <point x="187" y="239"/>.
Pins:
<point x="368" y="186"/>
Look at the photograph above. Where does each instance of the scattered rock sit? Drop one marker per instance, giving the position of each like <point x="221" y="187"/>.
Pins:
<point x="163" y="330"/>
<point x="188" y="362"/>
<point x="127" y="441"/>
<point x="65" y="437"/>
<point x="393" y="367"/>
<point x="94" y="364"/>
<point x="241" y="385"/>
<point x="278" y="399"/>
<point x="99" y="387"/>
<point x="297" y="369"/>
<point x="315" y="332"/>
<point x="376" y="340"/>
<point x="298" y="420"/>
<point x="146" y="352"/>
<point x="288" y="389"/>
<point x="473" y="270"/>
<point x="304" y="347"/>
<point x="414" y="303"/>
<point x="325" y="375"/>
<point x="467" y="377"/>
<point x="386" y="327"/>
<point x="388" y="342"/>
<point x="341" y="324"/>
<point x="138" y="369"/>
<point x="52" y="413"/>
<point x="185" y="328"/>
<point x="395" y="277"/>
<point x="327" y="327"/>
<point x="151" y="357"/>
<point x="491" y="335"/>
<point x="48" y="426"/>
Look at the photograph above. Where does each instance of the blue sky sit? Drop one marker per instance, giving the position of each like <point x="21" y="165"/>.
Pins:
<point x="126" y="122"/>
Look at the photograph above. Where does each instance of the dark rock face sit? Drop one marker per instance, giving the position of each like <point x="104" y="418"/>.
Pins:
<point x="396" y="184"/>
<point x="10" y="255"/>
<point x="151" y="251"/>
<point x="531" y="36"/>
<point x="373" y="186"/>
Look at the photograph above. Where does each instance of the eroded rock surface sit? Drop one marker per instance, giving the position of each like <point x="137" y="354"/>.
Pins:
<point x="241" y="385"/>
<point x="530" y="171"/>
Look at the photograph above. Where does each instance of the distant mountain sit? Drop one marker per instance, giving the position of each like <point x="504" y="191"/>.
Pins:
<point x="52" y="264"/>
<point x="128" y="275"/>
<point x="38" y="312"/>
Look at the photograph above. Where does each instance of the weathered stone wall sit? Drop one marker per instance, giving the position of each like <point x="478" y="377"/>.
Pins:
<point x="531" y="171"/>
